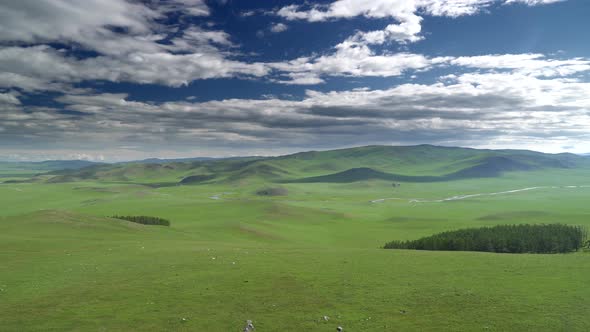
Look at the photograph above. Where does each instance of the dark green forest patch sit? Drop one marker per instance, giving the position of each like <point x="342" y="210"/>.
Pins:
<point x="554" y="238"/>
<point x="275" y="191"/>
<point x="145" y="220"/>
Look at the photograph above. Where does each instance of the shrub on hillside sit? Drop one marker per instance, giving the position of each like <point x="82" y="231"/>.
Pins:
<point x="278" y="191"/>
<point x="554" y="238"/>
<point x="145" y="220"/>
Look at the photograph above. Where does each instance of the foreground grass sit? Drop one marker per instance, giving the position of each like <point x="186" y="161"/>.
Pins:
<point x="144" y="280"/>
<point x="283" y="262"/>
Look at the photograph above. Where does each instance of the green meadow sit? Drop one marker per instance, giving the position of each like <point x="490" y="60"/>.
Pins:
<point x="237" y="251"/>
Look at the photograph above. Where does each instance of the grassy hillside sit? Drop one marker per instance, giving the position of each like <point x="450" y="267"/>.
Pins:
<point x="24" y="169"/>
<point x="169" y="173"/>
<point x="93" y="277"/>
<point x="241" y="246"/>
<point x="423" y="163"/>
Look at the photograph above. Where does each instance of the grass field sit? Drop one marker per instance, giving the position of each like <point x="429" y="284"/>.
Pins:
<point x="286" y="261"/>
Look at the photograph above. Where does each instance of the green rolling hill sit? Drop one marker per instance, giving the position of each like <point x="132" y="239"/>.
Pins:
<point x="422" y="163"/>
<point x="310" y="224"/>
<point x="20" y="169"/>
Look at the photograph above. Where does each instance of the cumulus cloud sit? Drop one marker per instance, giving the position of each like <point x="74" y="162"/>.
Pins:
<point x="302" y="78"/>
<point x="130" y="43"/>
<point x="403" y="12"/>
<point x="37" y="68"/>
<point x="354" y="60"/>
<point x="489" y="100"/>
<point x="475" y="109"/>
<point x="278" y="27"/>
<point x="533" y="2"/>
<point x="355" y="56"/>
<point x="46" y="20"/>
<point x="396" y="9"/>
<point x="454" y="8"/>
<point x="196" y="39"/>
<point x="191" y="7"/>
<point x="273" y="28"/>
<point x="139" y="55"/>
<point x="45" y="68"/>
<point x="406" y="13"/>
<point x="90" y="22"/>
<point x="530" y="64"/>
<point x="10" y="98"/>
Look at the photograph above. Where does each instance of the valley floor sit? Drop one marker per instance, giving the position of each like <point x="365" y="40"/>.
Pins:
<point x="285" y="262"/>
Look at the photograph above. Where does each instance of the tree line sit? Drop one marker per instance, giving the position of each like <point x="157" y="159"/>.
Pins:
<point x="525" y="238"/>
<point x="145" y="220"/>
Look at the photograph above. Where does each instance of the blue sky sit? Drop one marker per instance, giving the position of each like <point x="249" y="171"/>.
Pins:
<point x="119" y="80"/>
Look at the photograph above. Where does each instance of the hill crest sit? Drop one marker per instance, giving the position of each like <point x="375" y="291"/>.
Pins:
<point x="420" y="163"/>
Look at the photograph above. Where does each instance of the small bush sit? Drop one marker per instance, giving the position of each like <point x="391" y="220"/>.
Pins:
<point x="554" y="238"/>
<point x="145" y="220"/>
<point x="278" y="191"/>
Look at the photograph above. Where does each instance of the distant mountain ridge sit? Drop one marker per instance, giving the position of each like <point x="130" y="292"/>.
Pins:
<point x="48" y="165"/>
<point x="420" y="163"/>
<point x="169" y="160"/>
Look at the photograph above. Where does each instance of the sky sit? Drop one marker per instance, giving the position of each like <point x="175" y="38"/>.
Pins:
<point x="115" y="80"/>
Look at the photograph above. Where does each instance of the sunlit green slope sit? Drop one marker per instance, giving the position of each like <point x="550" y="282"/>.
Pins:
<point x="423" y="163"/>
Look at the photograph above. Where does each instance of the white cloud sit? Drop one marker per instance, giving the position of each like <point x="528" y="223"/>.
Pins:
<point x="274" y="28"/>
<point x="350" y="59"/>
<point x="357" y="60"/>
<point x="44" y="68"/>
<point x="191" y="7"/>
<point x="403" y="11"/>
<point x="454" y="8"/>
<point x="407" y="31"/>
<point x="473" y="109"/>
<point x="196" y="38"/>
<point x="137" y="55"/>
<point x="355" y="57"/>
<point x="196" y="53"/>
<point x="348" y="9"/>
<point x="396" y="9"/>
<point x="156" y="68"/>
<point x="46" y="20"/>
<point x="406" y="13"/>
<point x="533" y="2"/>
<point x="89" y="22"/>
<point x="35" y="68"/>
<point x="508" y="98"/>
<point x="305" y="78"/>
<point x="278" y="27"/>
<point x="10" y="98"/>
<point x="530" y="64"/>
